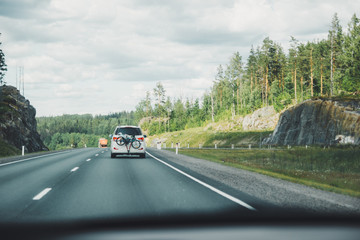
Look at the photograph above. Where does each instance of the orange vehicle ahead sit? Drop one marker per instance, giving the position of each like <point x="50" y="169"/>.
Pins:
<point x="103" y="143"/>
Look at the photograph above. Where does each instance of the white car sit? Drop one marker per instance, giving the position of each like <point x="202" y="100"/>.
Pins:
<point x="128" y="140"/>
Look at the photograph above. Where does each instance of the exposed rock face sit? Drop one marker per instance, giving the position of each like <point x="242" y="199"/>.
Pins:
<point x="261" y="119"/>
<point x="264" y="118"/>
<point x="318" y="122"/>
<point x="17" y="121"/>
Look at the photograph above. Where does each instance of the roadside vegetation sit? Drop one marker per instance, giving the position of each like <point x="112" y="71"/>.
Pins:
<point x="336" y="169"/>
<point x="195" y="137"/>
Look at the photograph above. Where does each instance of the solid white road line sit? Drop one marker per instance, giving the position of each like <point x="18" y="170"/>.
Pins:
<point x="27" y="159"/>
<point x="74" y="169"/>
<point x="238" y="201"/>
<point x="42" y="194"/>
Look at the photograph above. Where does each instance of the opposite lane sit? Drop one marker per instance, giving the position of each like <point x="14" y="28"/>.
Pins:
<point x="20" y="181"/>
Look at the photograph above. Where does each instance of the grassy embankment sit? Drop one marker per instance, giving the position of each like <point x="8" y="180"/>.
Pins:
<point x="335" y="169"/>
<point x="208" y="138"/>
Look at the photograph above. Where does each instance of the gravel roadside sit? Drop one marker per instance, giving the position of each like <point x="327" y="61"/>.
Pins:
<point x="268" y="189"/>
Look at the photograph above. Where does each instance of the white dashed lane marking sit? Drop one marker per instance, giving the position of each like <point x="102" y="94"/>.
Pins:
<point x="42" y="194"/>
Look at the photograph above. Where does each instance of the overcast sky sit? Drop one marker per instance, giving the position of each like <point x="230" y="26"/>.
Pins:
<point x="101" y="56"/>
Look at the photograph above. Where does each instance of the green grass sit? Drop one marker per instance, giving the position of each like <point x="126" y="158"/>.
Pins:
<point x="208" y="138"/>
<point x="336" y="170"/>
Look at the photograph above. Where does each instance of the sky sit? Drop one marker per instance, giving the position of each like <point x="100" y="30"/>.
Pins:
<point x="101" y="56"/>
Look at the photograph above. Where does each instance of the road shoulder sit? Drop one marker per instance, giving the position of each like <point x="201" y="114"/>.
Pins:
<point x="272" y="190"/>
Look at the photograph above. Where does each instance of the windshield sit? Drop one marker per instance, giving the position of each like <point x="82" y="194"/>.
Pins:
<point x="247" y="108"/>
<point x="128" y="131"/>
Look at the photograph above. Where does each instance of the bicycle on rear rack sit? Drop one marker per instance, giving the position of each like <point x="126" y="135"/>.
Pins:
<point x="129" y="141"/>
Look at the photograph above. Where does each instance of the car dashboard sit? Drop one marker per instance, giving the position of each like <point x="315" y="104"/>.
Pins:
<point x="210" y="226"/>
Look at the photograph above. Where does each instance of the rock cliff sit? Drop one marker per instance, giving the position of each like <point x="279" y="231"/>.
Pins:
<point x="322" y="122"/>
<point x="17" y="121"/>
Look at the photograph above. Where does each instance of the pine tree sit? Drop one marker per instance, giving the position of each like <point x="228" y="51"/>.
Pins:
<point x="351" y="57"/>
<point x="336" y="39"/>
<point x="3" y="66"/>
<point x="293" y="58"/>
<point x="236" y="81"/>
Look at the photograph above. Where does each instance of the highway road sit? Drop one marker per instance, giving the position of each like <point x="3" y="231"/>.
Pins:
<point x="88" y="184"/>
<point x="43" y="197"/>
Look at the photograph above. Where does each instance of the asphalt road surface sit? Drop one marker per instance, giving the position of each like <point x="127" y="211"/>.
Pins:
<point x="87" y="184"/>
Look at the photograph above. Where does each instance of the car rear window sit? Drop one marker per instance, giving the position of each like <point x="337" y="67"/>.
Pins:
<point x="128" y="131"/>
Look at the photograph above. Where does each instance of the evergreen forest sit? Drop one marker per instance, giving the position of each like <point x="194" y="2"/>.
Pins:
<point x="79" y="130"/>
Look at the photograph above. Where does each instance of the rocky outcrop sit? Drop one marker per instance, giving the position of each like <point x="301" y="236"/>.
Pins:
<point x="322" y="122"/>
<point x="262" y="119"/>
<point x="17" y="121"/>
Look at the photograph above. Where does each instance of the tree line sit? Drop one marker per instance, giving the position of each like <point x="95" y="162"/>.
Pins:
<point x="327" y="67"/>
<point x="80" y="130"/>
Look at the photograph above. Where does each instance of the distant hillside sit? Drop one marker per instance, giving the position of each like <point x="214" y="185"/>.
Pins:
<point x="17" y="123"/>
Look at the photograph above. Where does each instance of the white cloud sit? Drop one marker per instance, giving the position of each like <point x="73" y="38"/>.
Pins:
<point x="79" y="56"/>
<point x="66" y="90"/>
<point x="138" y="91"/>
